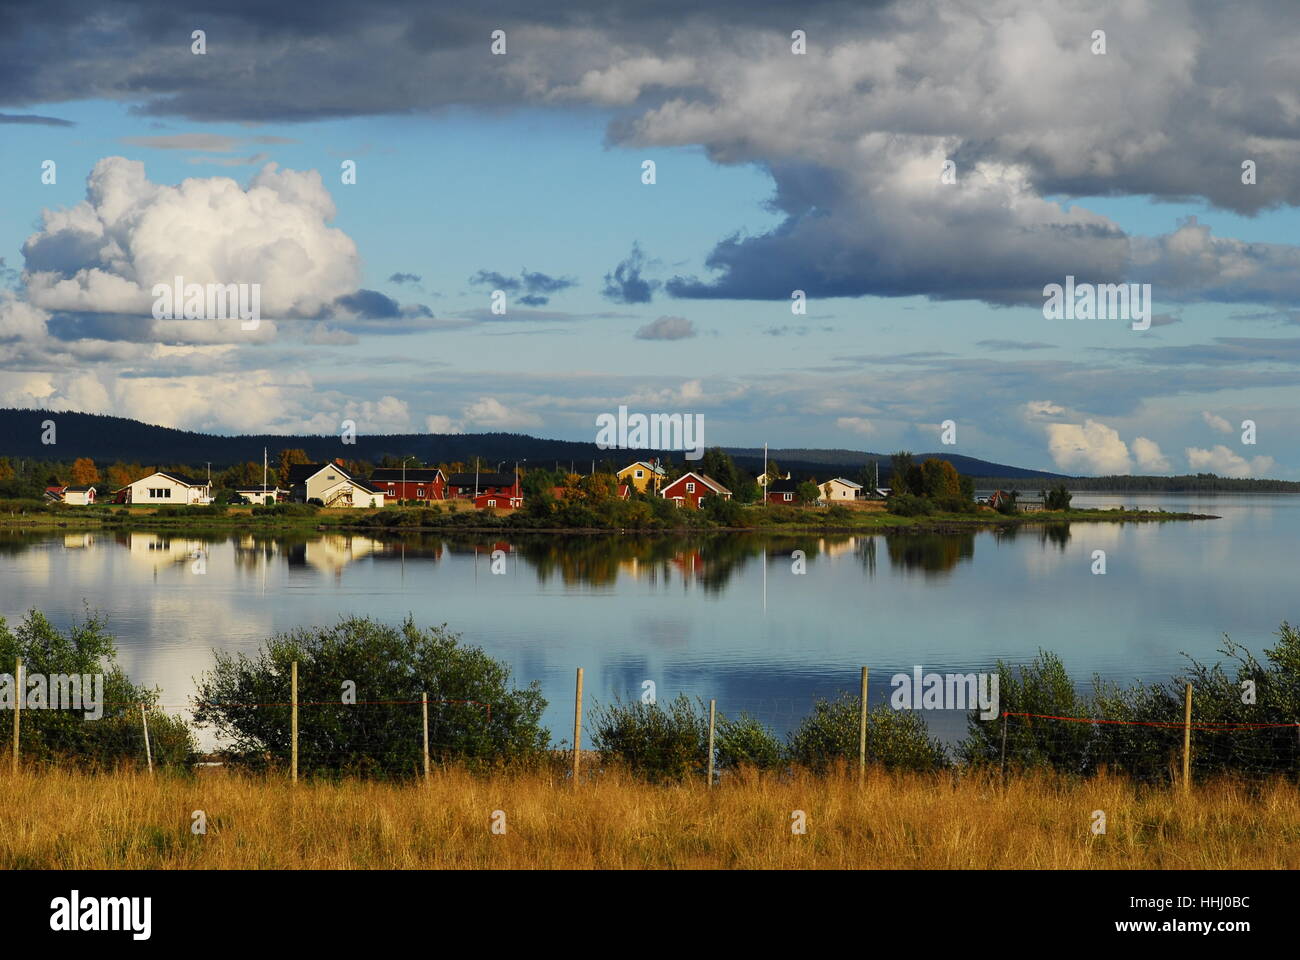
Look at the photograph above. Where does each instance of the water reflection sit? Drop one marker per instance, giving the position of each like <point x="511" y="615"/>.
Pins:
<point x="707" y="561"/>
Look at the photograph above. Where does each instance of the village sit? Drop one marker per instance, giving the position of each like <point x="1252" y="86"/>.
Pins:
<point x="334" y="485"/>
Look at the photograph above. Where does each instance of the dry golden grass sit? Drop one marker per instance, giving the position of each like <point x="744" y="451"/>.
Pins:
<point x="70" y="820"/>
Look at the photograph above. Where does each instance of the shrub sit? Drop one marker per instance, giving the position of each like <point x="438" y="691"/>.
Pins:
<point x="746" y="742"/>
<point x="896" y="739"/>
<point x="1040" y="687"/>
<point x="910" y="505"/>
<point x="386" y="663"/>
<point x="657" y="742"/>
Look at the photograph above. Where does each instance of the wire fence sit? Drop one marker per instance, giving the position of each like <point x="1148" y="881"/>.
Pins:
<point x="408" y="736"/>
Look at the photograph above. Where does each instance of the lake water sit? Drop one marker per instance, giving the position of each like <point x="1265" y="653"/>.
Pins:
<point x="718" y="616"/>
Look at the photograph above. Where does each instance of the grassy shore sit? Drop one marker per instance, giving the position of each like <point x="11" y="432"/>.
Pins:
<point x="758" y="519"/>
<point x="59" y="819"/>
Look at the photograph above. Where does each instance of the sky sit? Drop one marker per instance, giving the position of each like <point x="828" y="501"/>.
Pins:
<point x="129" y="158"/>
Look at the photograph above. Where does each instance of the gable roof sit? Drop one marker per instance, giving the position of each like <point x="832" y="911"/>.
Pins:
<point x="847" y="483"/>
<point x="703" y="478"/>
<point x="484" y="480"/>
<point x="183" y="479"/>
<point x="784" y="485"/>
<point x="302" y="472"/>
<point x="641" y="463"/>
<point x="413" y="475"/>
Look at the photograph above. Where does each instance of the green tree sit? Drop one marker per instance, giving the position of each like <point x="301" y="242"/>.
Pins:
<point x="86" y="649"/>
<point x="900" y="469"/>
<point x="807" y="492"/>
<point x="1058" y="498"/>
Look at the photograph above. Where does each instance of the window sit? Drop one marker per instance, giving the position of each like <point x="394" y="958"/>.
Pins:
<point x="788" y="497"/>
<point x="330" y="477"/>
<point x="690" y="486"/>
<point x="640" y="474"/>
<point x="419" y="492"/>
<point x="492" y="503"/>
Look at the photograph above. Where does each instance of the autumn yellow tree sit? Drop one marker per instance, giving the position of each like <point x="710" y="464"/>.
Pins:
<point x="84" y="472"/>
<point x="289" y="457"/>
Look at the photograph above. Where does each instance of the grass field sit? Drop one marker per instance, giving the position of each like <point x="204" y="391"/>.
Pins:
<point x="54" y="819"/>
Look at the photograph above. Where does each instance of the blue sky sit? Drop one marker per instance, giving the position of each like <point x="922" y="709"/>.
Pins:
<point x="772" y="172"/>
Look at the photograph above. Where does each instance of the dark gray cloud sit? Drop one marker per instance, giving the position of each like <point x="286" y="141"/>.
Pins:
<point x="400" y="278"/>
<point x="535" y="287"/>
<point x="854" y="134"/>
<point x="624" y="284"/>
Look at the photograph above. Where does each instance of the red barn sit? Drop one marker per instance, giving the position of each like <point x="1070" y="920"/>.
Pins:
<point x="691" y="489"/>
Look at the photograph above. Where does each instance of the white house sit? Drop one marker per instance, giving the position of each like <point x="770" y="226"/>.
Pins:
<point x="258" y="495"/>
<point x="163" y="488"/>
<point x="332" y="485"/>
<point x="74" y="496"/>
<point x="839" y="490"/>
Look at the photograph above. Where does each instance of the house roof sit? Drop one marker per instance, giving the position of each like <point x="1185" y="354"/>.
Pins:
<point x="368" y="488"/>
<point x="78" y="489"/>
<point x="641" y="463"/>
<point x="703" y="478"/>
<point x="484" y="480"/>
<point x="781" y="486"/>
<point x="302" y="472"/>
<point x="181" y="478"/>
<point x="847" y="483"/>
<point x="413" y="475"/>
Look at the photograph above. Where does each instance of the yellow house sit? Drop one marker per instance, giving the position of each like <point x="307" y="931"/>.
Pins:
<point x="641" y="475"/>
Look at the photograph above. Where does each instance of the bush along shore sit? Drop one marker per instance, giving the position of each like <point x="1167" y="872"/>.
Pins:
<point x="364" y="689"/>
<point x="613" y="516"/>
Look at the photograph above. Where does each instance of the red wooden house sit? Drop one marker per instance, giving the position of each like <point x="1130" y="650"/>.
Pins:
<point x="420" y="483"/>
<point x="690" y="489"/>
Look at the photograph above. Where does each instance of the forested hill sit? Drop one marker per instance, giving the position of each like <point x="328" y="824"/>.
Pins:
<point x="108" y="439"/>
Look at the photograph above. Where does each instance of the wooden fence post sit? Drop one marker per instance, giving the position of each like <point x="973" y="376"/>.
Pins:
<point x="712" y="713"/>
<point x="18" y="706"/>
<point x="148" y="751"/>
<point x="577" y="727"/>
<point x="424" y="700"/>
<point x="862" y="730"/>
<point x="1187" y="741"/>
<point x="1005" y="717"/>
<point x="293" y="684"/>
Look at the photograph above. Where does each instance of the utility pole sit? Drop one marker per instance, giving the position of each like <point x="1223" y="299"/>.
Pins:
<point x="264" y="476"/>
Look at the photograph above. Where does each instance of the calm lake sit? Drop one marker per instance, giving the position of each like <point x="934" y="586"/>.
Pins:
<point x="718" y="616"/>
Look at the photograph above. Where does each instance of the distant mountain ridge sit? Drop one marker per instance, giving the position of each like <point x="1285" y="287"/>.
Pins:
<point x="107" y="438"/>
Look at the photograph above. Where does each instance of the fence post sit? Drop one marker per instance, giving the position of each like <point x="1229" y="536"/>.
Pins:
<point x="293" y="685"/>
<point x="1187" y="742"/>
<point x="18" y="706"/>
<point x="862" y="730"/>
<point x="424" y="700"/>
<point x="1005" y="717"/>
<point x="577" y="727"/>
<point x="712" y="712"/>
<point x="148" y="751"/>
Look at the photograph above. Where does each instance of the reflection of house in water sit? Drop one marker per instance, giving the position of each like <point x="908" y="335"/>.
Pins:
<point x="836" y="546"/>
<point x="159" y="550"/>
<point x="78" y="540"/>
<point x="331" y="552"/>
